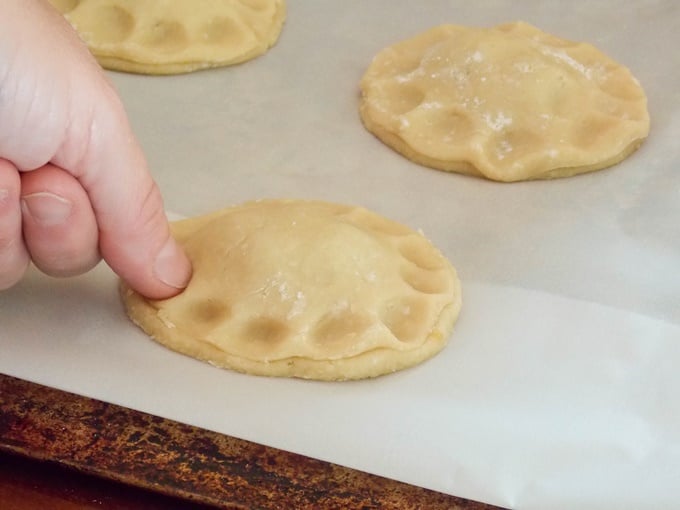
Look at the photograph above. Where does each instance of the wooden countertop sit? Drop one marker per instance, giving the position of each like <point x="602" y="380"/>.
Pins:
<point x="63" y="451"/>
<point x="29" y="484"/>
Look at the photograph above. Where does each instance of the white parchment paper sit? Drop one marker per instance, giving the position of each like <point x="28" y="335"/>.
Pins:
<point x="559" y="388"/>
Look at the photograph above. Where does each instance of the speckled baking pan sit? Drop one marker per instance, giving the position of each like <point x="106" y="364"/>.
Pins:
<point x="171" y="458"/>
<point x="556" y="388"/>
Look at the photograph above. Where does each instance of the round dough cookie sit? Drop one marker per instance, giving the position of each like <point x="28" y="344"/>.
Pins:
<point x="508" y="103"/>
<point x="305" y="289"/>
<point x="174" y="36"/>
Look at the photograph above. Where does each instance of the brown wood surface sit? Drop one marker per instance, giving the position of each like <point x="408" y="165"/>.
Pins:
<point x="133" y="451"/>
<point x="29" y="484"/>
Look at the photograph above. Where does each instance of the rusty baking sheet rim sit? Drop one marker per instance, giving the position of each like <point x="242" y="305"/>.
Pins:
<point x="183" y="461"/>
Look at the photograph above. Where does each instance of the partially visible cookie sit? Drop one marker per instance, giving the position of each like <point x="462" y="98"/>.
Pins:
<point x="174" y="36"/>
<point x="305" y="289"/>
<point x="507" y="103"/>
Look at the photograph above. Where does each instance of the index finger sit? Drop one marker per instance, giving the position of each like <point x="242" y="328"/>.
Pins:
<point x="134" y="235"/>
<point x="62" y="109"/>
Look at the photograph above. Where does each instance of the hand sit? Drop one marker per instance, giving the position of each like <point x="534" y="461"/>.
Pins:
<point x="74" y="183"/>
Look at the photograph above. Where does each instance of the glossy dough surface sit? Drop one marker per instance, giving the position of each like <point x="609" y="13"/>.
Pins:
<point x="507" y="103"/>
<point x="174" y="36"/>
<point x="305" y="289"/>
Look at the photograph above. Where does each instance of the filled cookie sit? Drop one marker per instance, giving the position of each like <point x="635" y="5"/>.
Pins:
<point x="305" y="289"/>
<point x="174" y="36"/>
<point x="508" y="103"/>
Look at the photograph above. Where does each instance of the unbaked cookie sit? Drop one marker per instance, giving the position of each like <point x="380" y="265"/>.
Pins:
<point x="174" y="36"/>
<point x="508" y="103"/>
<point x="305" y="289"/>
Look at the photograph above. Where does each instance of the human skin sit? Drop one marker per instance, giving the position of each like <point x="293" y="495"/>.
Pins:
<point x="74" y="183"/>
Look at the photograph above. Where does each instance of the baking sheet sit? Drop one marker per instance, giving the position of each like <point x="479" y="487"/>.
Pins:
<point x="559" y="387"/>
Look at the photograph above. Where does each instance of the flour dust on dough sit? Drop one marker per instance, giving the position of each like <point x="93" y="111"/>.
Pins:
<point x="508" y="103"/>
<point x="305" y="289"/>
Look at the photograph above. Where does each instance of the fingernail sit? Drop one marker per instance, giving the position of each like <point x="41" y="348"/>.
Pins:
<point x="171" y="266"/>
<point x="3" y="195"/>
<point x="46" y="209"/>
